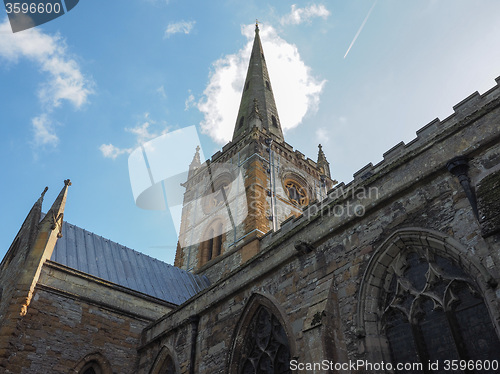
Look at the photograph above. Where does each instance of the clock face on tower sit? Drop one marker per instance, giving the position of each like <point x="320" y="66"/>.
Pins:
<point x="295" y="192"/>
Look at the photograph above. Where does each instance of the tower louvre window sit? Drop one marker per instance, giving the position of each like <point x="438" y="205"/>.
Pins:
<point x="218" y="241"/>
<point x="268" y="85"/>
<point x="212" y="246"/>
<point x="247" y="85"/>
<point x="241" y="122"/>
<point x="275" y="122"/>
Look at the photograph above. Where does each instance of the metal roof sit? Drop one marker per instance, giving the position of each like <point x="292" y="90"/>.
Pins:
<point x="92" y="254"/>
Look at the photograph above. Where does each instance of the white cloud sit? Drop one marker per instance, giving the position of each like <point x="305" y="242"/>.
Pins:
<point x="301" y="15"/>
<point x="179" y="27"/>
<point x="64" y="78"/>
<point x="190" y="102"/>
<point x="161" y="91"/>
<point x="143" y="132"/>
<point x="110" y="151"/>
<point x="322" y="135"/>
<point x="296" y="91"/>
<point x="44" y="132"/>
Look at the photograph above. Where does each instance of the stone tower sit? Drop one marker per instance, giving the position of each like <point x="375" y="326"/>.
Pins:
<point x="252" y="186"/>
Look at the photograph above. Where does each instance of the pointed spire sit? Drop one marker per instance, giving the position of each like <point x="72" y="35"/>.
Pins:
<point x="56" y="213"/>
<point x="34" y="216"/>
<point x="196" y="163"/>
<point x="196" y="158"/>
<point x="257" y="96"/>
<point x="36" y="210"/>
<point x="29" y="229"/>
<point x="322" y="162"/>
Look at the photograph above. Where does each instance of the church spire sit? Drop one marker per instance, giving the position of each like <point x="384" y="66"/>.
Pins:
<point x="257" y="97"/>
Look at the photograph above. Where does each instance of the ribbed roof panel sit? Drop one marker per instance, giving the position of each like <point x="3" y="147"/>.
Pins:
<point x="92" y="254"/>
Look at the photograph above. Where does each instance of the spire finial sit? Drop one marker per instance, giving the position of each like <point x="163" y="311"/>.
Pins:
<point x="322" y="162"/>
<point x="196" y="159"/>
<point x="256" y="25"/>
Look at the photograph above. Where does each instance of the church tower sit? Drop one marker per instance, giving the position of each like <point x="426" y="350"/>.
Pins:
<point x="252" y="186"/>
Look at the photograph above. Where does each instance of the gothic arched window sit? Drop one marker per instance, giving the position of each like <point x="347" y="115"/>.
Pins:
<point x="417" y="294"/>
<point x="91" y="368"/>
<point x="168" y="366"/>
<point x="265" y="349"/>
<point x="94" y="363"/>
<point x="164" y="363"/>
<point x="433" y="312"/>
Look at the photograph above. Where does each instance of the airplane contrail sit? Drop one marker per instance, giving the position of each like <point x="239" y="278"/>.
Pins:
<point x="361" y="28"/>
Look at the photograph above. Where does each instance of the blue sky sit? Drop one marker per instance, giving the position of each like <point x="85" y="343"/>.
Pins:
<point x="79" y="93"/>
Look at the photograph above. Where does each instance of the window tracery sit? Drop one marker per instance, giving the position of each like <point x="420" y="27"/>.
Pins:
<point x="266" y="349"/>
<point x="432" y="311"/>
<point x="295" y="192"/>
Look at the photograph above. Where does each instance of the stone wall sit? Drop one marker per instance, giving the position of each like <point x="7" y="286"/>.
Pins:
<point x="73" y="316"/>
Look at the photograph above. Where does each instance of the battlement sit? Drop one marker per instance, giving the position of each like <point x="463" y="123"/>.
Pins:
<point x="466" y="112"/>
<point x="466" y="109"/>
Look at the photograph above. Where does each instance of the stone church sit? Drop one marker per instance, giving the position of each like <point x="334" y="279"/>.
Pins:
<point x="279" y="269"/>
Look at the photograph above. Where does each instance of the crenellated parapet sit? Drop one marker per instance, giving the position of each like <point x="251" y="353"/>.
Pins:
<point x="472" y="125"/>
